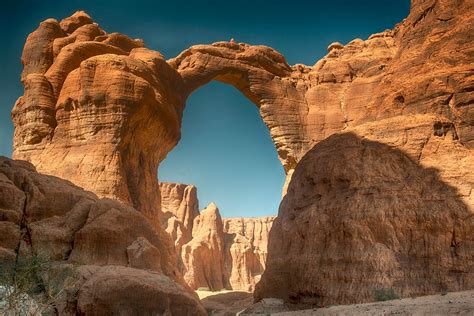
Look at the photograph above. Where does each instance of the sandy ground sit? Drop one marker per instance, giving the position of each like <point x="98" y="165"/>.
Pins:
<point x="226" y="303"/>
<point x="458" y="303"/>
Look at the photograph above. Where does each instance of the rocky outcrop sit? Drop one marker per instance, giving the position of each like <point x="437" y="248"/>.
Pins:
<point x="227" y="253"/>
<point x="180" y="206"/>
<point x="117" y="249"/>
<point x="127" y="291"/>
<point x="246" y="244"/>
<point x="361" y="216"/>
<point x="91" y="102"/>
<point x="214" y="252"/>
<point x="390" y="205"/>
<point x="203" y="256"/>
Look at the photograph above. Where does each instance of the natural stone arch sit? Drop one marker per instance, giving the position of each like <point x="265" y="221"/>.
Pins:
<point x="110" y="141"/>
<point x="262" y="75"/>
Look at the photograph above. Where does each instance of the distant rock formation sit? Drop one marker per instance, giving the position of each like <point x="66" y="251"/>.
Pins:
<point x="214" y="252"/>
<point x="180" y="205"/>
<point x="126" y="266"/>
<point x="203" y="255"/>
<point x="102" y="111"/>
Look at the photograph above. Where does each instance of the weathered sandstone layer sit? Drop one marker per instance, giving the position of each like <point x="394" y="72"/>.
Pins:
<point x="214" y="252"/>
<point x="92" y="101"/>
<point x="361" y="216"/>
<point x="102" y="111"/>
<point x="246" y="249"/>
<point x="390" y="204"/>
<point x="118" y="250"/>
<point x="179" y="205"/>
<point x="69" y="124"/>
<point x="403" y="87"/>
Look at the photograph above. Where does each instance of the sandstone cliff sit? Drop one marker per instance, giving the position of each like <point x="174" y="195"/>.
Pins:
<point x="214" y="252"/>
<point x="80" y="120"/>
<point x="405" y="87"/>
<point x="118" y="251"/>
<point x="246" y="249"/>
<point x="389" y="205"/>
<point x="180" y="206"/>
<point x="361" y="217"/>
<point x="203" y="255"/>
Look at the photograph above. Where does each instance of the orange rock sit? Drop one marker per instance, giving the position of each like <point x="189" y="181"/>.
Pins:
<point x="236" y="247"/>
<point x="409" y="88"/>
<point x="203" y="256"/>
<point x="53" y="218"/>
<point x="245" y="253"/>
<point x="361" y="216"/>
<point x="356" y="84"/>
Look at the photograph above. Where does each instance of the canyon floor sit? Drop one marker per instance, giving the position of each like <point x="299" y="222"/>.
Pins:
<point x="226" y="303"/>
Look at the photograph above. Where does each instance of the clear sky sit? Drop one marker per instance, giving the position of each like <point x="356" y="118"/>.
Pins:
<point x="225" y="150"/>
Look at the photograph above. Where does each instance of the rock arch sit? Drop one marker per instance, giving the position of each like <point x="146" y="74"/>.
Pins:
<point x="106" y="118"/>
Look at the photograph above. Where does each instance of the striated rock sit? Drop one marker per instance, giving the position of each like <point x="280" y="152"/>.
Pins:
<point x="180" y="201"/>
<point x="72" y="23"/>
<point x="91" y="138"/>
<point x="237" y="246"/>
<point x="246" y="242"/>
<point x="203" y="256"/>
<point x="335" y="45"/>
<point x="361" y="216"/>
<point x="53" y="218"/>
<point x="227" y="253"/>
<point x="409" y="88"/>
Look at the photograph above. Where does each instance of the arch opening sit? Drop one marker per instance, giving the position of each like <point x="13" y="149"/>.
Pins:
<point x="226" y="151"/>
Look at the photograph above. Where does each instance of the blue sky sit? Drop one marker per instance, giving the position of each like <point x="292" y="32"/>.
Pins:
<point x="225" y="150"/>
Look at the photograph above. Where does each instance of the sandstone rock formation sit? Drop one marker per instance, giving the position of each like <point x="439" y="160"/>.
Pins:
<point x="203" y="256"/>
<point x="214" y="252"/>
<point x="79" y="118"/>
<point x="361" y="216"/>
<point x="410" y="89"/>
<point x="227" y="253"/>
<point x="180" y="206"/>
<point x="118" y="249"/>
<point x="246" y="249"/>
<point x="376" y="81"/>
<point x="127" y="291"/>
<point x="102" y="111"/>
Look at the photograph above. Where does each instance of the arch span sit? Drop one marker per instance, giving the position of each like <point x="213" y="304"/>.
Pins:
<point x="118" y="108"/>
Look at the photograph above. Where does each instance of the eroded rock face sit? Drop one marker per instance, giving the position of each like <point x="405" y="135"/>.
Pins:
<point x="214" y="252"/>
<point x="203" y="256"/>
<point x="246" y="248"/>
<point x="78" y="118"/>
<point x="180" y="206"/>
<point x="127" y="291"/>
<point x="52" y="218"/>
<point x="403" y="220"/>
<point x="360" y="216"/>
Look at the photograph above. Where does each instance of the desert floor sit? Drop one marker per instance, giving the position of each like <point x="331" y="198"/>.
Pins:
<point x="226" y="303"/>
